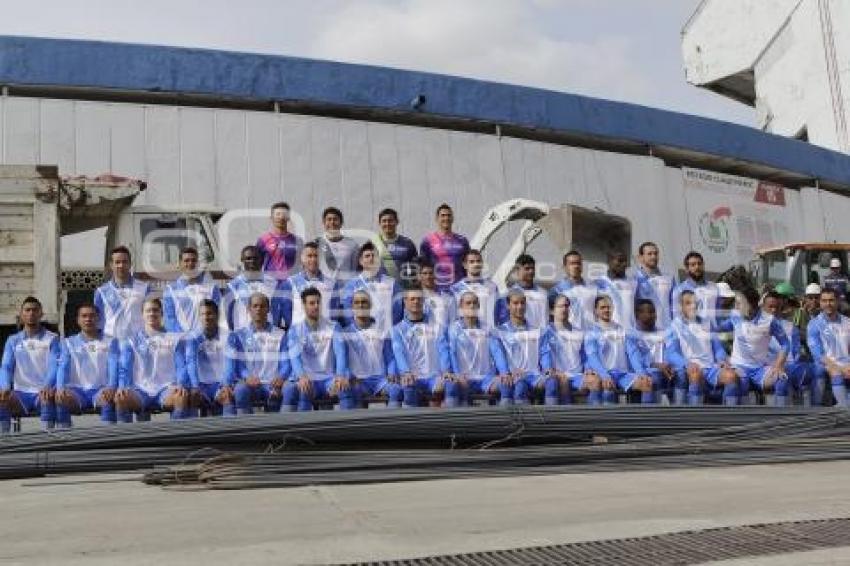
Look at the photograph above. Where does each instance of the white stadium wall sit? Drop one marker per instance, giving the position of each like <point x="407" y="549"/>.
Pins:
<point x="248" y="159"/>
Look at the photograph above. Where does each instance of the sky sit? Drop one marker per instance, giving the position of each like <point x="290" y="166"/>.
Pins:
<point x="626" y="50"/>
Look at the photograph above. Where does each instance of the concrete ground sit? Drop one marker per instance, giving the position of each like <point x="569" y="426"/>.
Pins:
<point x="101" y="519"/>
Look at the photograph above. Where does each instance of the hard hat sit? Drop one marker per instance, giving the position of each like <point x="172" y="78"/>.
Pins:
<point x="813" y="289"/>
<point x="785" y="289"/>
<point x="834" y="262"/>
<point x="724" y="290"/>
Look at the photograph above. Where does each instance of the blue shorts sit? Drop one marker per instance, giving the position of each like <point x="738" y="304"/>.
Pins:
<point x="753" y="375"/>
<point x="623" y="379"/>
<point x="711" y="375"/>
<point x="148" y="402"/>
<point x="86" y="398"/>
<point x="30" y="402"/>
<point x="483" y="385"/>
<point x="372" y="385"/>
<point x="209" y="391"/>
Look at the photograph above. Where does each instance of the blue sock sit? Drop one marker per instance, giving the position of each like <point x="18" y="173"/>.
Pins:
<point x="107" y="413"/>
<point x="63" y="416"/>
<point x="594" y="398"/>
<point x="395" y="395"/>
<point x="551" y="391"/>
<point x="243" y="397"/>
<point x="647" y="398"/>
<point x="124" y="416"/>
<point x="5" y="420"/>
<point x="839" y="391"/>
<point x="609" y="397"/>
<point x="451" y="394"/>
<point x="506" y="394"/>
<point x="290" y="394"/>
<point x="521" y="392"/>
<point x="178" y="414"/>
<point x="228" y="410"/>
<point x="409" y="396"/>
<point x="48" y="414"/>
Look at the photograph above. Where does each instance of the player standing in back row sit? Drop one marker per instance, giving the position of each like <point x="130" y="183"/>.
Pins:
<point x="445" y="249"/>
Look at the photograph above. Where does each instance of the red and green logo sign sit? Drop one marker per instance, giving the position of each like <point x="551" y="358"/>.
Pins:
<point x="714" y="229"/>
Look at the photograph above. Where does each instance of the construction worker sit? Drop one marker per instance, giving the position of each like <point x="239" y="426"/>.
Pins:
<point x="440" y="304"/>
<point x="394" y="250"/>
<point x="316" y="352"/>
<point x="562" y="354"/>
<point x="369" y="354"/>
<point x="645" y="351"/>
<point x="473" y="350"/>
<point x="279" y="247"/>
<point x="337" y="253"/>
<point x="485" y="289"/>
<point x="829" y="343"/>
<point x="705" y="291"/>
<point x="151" y="370"/>
<point x="805" y="313"/>
<point x="521" y="344"/>
<point x="757" y="367"/>
<point x="582" y="294"/>
<point x="536" y="298"/>
<point x="119" y="300"/>
<point x="837" y="281"/>
<point x="256" y="364"/>
<point x="698" y="356"/>
<point x="28" y="370"/>
<point x="206" y="360"/>
<point x="383" y="290"/>
<point x="796" y="368"/>
<point x="653" y="285"/>
<point x="87" y="371"/>
<point x="183" y="297"/>
<point x="605" y="344"/>
<point x="445" y="249"/>
<point x="619" y="288"/>
<point x="252" y="280"/>
<point x="422" y="355"/>
<point x="309" y="276"/>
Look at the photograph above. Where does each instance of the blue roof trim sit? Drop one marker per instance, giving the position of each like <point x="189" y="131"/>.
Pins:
<point x="59" y="62"/>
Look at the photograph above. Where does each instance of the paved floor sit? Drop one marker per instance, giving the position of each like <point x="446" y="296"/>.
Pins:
<point x="98" y="522"/>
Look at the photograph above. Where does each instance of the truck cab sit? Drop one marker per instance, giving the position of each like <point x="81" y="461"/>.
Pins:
<point x="797" y="263"/>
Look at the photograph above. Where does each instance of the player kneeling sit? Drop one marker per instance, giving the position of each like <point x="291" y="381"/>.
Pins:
<point x="87" y="372"/>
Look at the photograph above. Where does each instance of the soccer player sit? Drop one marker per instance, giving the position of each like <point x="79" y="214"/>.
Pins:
<point x="473" y="351"/>
<point x="651" y="284"/>
<point x="581" y="294"/>
<point x="383" y="290"/>
<point x="619" y="288"/>
<point x="422" y="355"/>
<point x="798" y="371"/>
<point x="562" y="354"/>
<point x="151" y="370"/>
<point x="28" y="369"/>
<point x="536" y="298"/>
<point x="520" y="344"/>
<point x="645" y="350"/>
<point x="252" y="280"/>
<point x="751" y="357"/>
<point x="440" y="307"/>
<point x="394" y="250"/>
<point x="309" y="276"/>
<point x="256" y="364"/>
<point x="605" y="344"/>
<point x="698" y="356"/>
<point x="87" y="371"/>
<point x="704" y="290"/>
<point x="485" y="289"/>
<point x="183" y="297"/>
<point x="829" y="334"/>
<point x="445" y="249"/>
<point x="337" y="253"/>
<point x="205" y="360"/>
<point x="369" y="354"/>
<point x="119" y="300"/>
<point x="278" y="247"/>
<point x="316" y="351"/>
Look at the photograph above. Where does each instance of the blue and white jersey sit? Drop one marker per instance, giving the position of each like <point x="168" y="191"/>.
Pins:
<point x="238" y="299"/>
<point x="120" y="307"/>
<point x="206" y="357"/>
<point x="536" y="306"/>
<point x="622" y="293"/>
<point x="692" y="342"/>
<point x="88" y="363"/>
<point x="29" y="362"/>
<point x="318" y="353"/>
<point x="562" y="350"/>
<point x="658" y="288"/>
<point x="181" y="301"/>
<point x="256" y="353"/>
<point x="420" y="348"/>
<point x="582" y="298"/>
<point x="293" y="310"/>
<point x="385" y="293"/>
<point x="488" y="297"/>
<point x="752" y="337"/>
<point x="645" y="348"/>
<point x="440" y="307"/>
<point x="606" y="349"/>
<point x="795" y="346"/>
<point x="521" y="347"/>
<point x="152" y="362"/>
<point x="369" y="352"/>
<point x="706" y="295"/>
<point x="829" y="338"/>
<point x="474" y="351"/>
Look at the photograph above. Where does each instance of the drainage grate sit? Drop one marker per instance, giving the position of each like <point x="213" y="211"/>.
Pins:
<point x="687" y="547"/>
